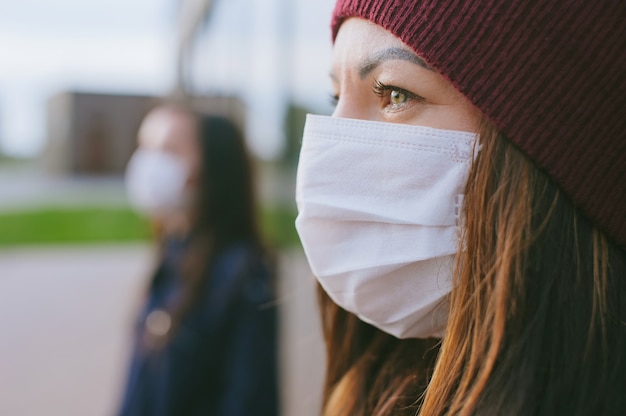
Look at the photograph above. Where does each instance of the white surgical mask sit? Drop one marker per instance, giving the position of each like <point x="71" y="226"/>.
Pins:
<point x="378" y="208"/>
<point x="155" y="182"/>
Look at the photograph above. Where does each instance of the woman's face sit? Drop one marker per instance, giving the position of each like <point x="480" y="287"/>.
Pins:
<point x="163" y="176"/>
<point x="171" y="131"/>
<point x="377" y="77"/>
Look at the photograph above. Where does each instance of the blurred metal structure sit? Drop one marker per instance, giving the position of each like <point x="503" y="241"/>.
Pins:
<point x="192" y="14"/>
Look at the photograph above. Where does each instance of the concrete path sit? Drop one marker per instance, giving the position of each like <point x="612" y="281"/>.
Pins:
<point x="65" y="319"/>
<point x="28" y="188"/>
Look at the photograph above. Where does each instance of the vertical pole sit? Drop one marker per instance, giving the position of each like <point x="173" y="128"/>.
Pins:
<point x="191" y="15"/>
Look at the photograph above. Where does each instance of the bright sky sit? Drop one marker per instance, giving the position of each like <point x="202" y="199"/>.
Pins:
<point x="48" y="46"/>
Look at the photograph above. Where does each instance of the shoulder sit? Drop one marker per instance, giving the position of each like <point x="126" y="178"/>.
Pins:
<point x="245" y="266"/>
<point x="240" y="257"/>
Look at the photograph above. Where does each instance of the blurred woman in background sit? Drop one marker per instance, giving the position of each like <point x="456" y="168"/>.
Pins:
<point x="206" y="338"/>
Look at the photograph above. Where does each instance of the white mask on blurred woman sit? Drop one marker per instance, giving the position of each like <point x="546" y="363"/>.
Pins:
<point x="155" y="182"/>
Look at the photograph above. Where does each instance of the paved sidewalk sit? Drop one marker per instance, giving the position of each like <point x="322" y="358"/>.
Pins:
<point x="26" y="189"/>
<point x="65" y="319"/>
<point x="65" y="313"/>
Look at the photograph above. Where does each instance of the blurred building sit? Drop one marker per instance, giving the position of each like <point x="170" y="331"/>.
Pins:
<point x="95" y="134"/>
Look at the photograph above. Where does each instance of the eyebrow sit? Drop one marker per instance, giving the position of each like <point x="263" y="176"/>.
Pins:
<point x="388" y="54"/>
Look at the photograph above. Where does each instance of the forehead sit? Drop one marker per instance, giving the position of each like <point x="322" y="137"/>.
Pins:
<point x="167" y="129"/>
<point x="358" y="39"/>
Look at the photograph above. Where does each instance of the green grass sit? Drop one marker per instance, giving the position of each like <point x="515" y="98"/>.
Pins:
<point x="277" y="224"/>
<point x="72" y="225"/>
<point x="107" y="225"/>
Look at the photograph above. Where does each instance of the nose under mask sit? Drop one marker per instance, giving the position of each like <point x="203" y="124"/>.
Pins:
<point x="155" y="182"/>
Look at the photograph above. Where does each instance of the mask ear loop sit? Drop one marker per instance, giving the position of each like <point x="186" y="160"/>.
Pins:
<point x="458" y="207"/>
<point x="459" y="199"/>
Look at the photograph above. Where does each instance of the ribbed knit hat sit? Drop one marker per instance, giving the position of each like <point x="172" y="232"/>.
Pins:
<point x="551" y="75"/>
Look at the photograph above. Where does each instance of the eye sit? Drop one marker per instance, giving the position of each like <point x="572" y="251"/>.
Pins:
<point x="397" y="97"/>
<point x="394" y="96"/>
<point x="333" y="99"/>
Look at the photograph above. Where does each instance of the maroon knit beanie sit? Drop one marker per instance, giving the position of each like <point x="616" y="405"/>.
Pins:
<point x="551" y="75"/>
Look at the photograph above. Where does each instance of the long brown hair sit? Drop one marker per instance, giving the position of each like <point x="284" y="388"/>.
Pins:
<point x="368" y="371"/>
<point x="537" y="322"/>
<point x="224" y="211"/>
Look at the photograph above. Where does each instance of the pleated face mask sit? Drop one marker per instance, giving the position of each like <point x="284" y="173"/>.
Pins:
<point x="155" y="182"/>
<point x="378" y="207"/>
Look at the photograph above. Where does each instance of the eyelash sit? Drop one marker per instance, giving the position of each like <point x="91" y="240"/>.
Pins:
<point x="381" y="89"/>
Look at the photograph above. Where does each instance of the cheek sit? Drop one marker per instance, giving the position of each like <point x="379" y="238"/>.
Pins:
<point x="194" y="172"/>
<point x="463" y="115"/>
<point x="468" y="117"/>
<point x="448" y="118"/>
<point x="192" y="184"/>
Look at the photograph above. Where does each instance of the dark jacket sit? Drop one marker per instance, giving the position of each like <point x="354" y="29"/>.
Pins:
<point x="221" y="359"/>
